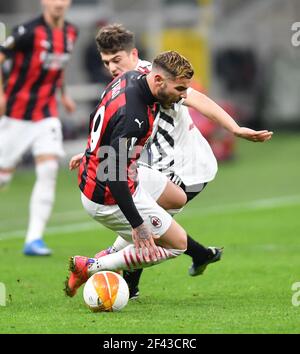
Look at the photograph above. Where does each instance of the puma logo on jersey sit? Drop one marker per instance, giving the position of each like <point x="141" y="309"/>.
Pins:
<point x="139" y="123"/>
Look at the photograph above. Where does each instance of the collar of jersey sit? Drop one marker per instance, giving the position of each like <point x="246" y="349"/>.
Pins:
<point x="145" y="90"/>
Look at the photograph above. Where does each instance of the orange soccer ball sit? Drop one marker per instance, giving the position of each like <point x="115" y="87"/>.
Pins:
<point x="106" y="291"/>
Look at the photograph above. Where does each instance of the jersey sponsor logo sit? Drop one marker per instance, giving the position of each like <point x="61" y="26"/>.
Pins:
<point x="139" y="123"/>
<point x="54" y="61"/>
<point x="155" y="221"/>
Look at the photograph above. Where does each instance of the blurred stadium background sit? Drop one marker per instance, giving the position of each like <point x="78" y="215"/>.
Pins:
<point x="241" y="51"/>
<point x="245" y="60"/>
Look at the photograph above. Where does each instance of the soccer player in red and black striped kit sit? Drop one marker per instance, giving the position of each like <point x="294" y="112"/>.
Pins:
<point x="39" y="50"/>
<point x="173" y="132"/>
<point x="119" y="129"/>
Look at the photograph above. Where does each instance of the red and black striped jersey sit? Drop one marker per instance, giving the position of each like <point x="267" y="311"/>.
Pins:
<point x="39" y="54"/>
<point x="119" y="128"/>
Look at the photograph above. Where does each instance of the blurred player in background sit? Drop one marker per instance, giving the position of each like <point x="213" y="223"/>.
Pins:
<point x="178" y="149"/>
<point x="39" y="50"/>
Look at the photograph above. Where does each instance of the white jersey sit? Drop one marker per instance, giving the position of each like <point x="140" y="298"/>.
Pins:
<point x="143" y="66"/>
<point x="177" y="147"/>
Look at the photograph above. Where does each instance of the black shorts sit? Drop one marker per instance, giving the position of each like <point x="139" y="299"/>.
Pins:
<point x="190" y="191"/>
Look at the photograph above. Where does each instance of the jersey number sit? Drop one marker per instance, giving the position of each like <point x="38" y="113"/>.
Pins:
<point x="97" y="127"/>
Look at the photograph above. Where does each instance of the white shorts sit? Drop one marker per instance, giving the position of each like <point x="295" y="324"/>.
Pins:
<point x="16" y="137"/>
<point x="112" y="217"/>
<point x="153" y="181"/>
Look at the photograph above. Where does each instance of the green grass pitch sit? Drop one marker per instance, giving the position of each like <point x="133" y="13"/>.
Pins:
<point x="252" y="209"/>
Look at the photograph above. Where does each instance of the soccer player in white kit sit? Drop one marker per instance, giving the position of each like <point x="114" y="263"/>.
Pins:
<point x="39" y="50"/>
<point x="177" y="149"/>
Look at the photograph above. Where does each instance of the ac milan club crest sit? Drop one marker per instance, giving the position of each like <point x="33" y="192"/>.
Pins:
<point x="155" y="221"/>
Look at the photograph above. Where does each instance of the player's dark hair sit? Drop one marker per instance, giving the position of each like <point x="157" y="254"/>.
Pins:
<point x="114" y="38"/>
<point x="174" y="64"/>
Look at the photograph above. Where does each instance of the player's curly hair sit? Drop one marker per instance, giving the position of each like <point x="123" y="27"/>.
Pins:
<point x="114" y="38"/>
<point x="176" y="65"/>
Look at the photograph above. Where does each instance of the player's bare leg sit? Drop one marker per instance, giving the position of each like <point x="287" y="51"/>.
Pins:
<point x="173" y="197"/>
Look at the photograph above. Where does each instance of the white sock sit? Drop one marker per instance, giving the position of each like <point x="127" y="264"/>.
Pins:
<point x="5" y="178"/>
<point x="42" y="199"/>
<point x="119" y="244"/>
<point x="128" y="259"/>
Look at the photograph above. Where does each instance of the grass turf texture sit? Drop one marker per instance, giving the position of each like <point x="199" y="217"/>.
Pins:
<point x="252" y="209"/>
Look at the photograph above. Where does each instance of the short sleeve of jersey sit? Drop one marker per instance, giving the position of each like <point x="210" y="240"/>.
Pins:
<point x="20" y="38"/>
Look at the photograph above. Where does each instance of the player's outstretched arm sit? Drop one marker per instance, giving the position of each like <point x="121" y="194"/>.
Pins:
<point x="213" y="111"/>
<point x="253" y="135"/>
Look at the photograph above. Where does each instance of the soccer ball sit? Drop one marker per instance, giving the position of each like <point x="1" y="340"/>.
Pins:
<point x="106" y="291"/>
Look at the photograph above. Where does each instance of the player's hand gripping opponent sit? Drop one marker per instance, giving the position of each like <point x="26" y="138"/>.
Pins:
<point x="75" y="161"/>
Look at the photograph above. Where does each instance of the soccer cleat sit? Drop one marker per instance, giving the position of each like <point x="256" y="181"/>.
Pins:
<point x="198" y="269"/>
<point x="78" y="266"/>
<point x="36" y="248"/>
<point x="132" y="279"/>
<point x="134" y="293"/>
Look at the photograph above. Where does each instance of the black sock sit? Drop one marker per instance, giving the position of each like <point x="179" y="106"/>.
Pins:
<point x="132" y="277"/>
<point x="198" y="252"/>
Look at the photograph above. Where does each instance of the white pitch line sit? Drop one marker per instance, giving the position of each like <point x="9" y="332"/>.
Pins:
<point x="258" y="204"/>
<point x="56" y="216"/>
<point x="66" y="229"/>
